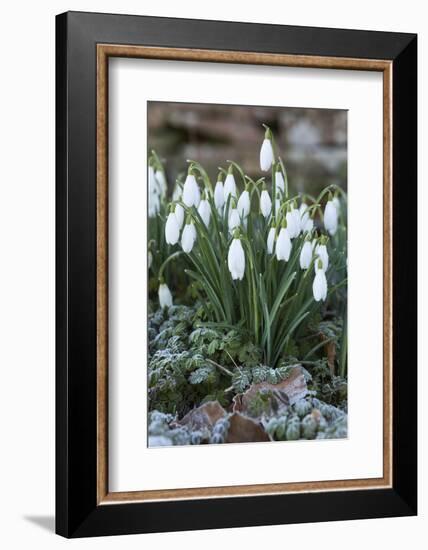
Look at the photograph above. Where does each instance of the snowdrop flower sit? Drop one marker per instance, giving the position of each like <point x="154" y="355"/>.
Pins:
<point x="165" y="297"/>
<point x="236" y="259"/>
<point x="293" y="222"/>
<point x="204" y="210"/>
<point x="306" y="222"/>
<point x="279" y="180"/>
<point x="283" y="244"/>
<point x="244" y="204"/>
<point x="179" y="214"/>
<point x="321" y="252"/>
<point x="306" y="255"/>
<point x="271" y="240"/>
<point x="319" y="286"/>
<point x="191" y="193"/>
<point x="330" y="217"/>
<point x="266" y="152"/>
<point x="219" y="194"/>
<point x="188" y="237"/>
<point x="172" y="229"/>
<point x="150" y="259"/>
<point x="265" y="203"/>
<point x="160" y="178"/>
<point x="234" y="219"/>
<point x="229" y="185"/>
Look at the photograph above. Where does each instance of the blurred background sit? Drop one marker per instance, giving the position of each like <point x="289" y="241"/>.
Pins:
<point x="312" y="142"/>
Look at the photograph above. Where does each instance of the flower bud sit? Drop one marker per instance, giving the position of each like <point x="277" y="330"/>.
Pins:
<point x="236" y="260"/>
<point x="244" y="204"/>
<point x="172" y="229"/>
<point x="271" y="240"/>
<point x="330" y="217"/>
<point x="266" y="152"/>
<point x="165" y="296"/>
<point x="306" y="255"/>
<point x="188" y="237"/>
<point x="265" y="203"/>
<point x="191" y="193"/>
<point x="319" y="286"/>
<point x="283" y="245"/>
<point x="204" y="210"/>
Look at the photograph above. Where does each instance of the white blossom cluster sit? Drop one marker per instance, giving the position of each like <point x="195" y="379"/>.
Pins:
<point x="286" y="220"/>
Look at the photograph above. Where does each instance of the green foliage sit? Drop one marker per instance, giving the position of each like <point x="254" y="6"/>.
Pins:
<point x="244" y="377"/>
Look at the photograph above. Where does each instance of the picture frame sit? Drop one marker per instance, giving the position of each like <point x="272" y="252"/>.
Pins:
<point x="84" y="44"/>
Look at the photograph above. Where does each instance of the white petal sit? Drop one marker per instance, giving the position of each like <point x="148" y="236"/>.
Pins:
<point x="265" y="203"/>
<point x="321" y="252"/>
<point x="165" y="297"/>
<point x="330" y="217"/>
<point x="172" y="231"/>
<point x="271" y="240"/>
<point x="188" y="238"/>
<point x="266" y="155"/>
<point x="229" y="187"/>
<point x="244" y="204"/>
<point x="204" y="210"/>
<point x="319" y="286"/>
<point x="283" y="245"/>
<point x="236" y="260"/>
<point x="191" y="192"/>
<point x="219" y="195"/>
<point x="179" y="214"/>
<point x="306" y="255"/>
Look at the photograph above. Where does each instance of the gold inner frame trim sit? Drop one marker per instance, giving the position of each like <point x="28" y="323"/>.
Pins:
<point x="104" y="51"/>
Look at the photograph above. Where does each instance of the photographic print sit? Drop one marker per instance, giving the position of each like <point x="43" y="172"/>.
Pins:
<point x="247" y="274"/>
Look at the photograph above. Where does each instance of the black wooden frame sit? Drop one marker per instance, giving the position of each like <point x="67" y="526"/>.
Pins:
<point x="77" y="513"/>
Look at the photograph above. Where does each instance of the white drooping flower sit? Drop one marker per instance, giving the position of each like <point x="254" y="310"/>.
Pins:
<point x="161" y="179"/>
<point x="293" y="222"/>
<point x="271" y="240"/>
<point x="265" y="203"/>
<point x="319" y="286"/>
<point x="165" y="296"/>
<point x="321" y="252"/>
<point x="306" y="222"/>
<point x="188" y="237"/>
<point x="172" y="229"/>
<point x="306" y="255"/>
<point x="330" y="217"/>
<point x="179" y="214"/>
<point x="236" y="260"/>
<point x="204" y="210"/>
<point x="234" y="219"/>
<point x="229" y="187"/>
<point x="266" y="154"/>
<point x="279" y="181"/>
<point x="219" y="195"/>
<point x="283" y="245"/>
<point x="191" y="193"/>
<point x="244" y="204"/>
<point x="150" y="259"/>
